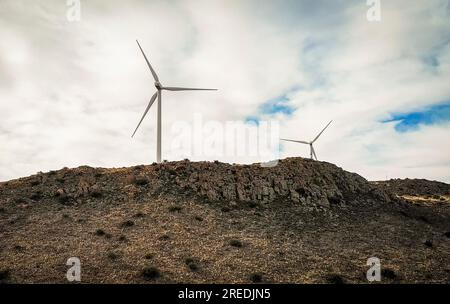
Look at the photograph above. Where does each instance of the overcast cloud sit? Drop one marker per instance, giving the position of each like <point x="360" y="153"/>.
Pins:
<point x="71" y="93"/>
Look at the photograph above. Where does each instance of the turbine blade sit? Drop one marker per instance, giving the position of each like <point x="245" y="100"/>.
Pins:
<point x="148" y="63"/>
<point x="186" y="89"/>
<point x="314" y="152"/>
<point x="321" y="132"/>
<point x="296" y="141"/>
<point x="152" y="100"/>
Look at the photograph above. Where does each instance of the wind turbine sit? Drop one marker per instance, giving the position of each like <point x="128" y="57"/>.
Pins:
<point x="311" y="148"/>
<point x="158" y="93"/>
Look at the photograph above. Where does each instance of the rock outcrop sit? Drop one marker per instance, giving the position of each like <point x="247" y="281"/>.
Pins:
<point x="299" y="180"/>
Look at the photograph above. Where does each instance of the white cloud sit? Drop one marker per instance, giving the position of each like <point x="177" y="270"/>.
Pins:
<point x="72" y="93"/>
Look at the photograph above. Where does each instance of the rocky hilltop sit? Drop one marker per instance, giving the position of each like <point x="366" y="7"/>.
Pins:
<point x="415" y="187"/>
<point x="301" y="221"/>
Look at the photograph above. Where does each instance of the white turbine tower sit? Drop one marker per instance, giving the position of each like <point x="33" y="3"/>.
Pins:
<point x="311" y="148"/>
<point x="159" y="89"/>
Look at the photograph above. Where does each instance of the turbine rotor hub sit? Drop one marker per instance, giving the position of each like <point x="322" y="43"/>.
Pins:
<point x="158" y="85"/>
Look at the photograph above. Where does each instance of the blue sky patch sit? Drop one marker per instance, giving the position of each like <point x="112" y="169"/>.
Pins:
<point x="406" y="122"/>
<point x="278" y="105"/>
<point x="275" y="108"/>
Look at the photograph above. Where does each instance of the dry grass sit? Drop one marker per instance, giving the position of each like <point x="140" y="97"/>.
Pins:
<point x="301" y="253"/>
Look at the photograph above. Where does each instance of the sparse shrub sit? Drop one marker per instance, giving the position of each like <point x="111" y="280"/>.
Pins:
<point x="51" y="172"/>
<point x="335" y="279"/>
<point x="404" y="213"/>
<point x="164" y="237"/>
<point x="236" y="243"/>
<point x="100" y="232"/>
<point x="192" y="264"/>
<point x="199" y="218"/>
<point x="113" y="256"/>
<point x="123" y="238"/>
<point x="171" y="171"/>
<point x="253" y="204"/>
<point x="447" y="234"/>
<point x="335" y="199"/>
<point x="138" y="167"/>
<point x="34" y="182"/>
<point x="151" y="273"/>
<point x="62" y="196"/>
<point x="36" y="196"/>
<point x="301" y="191"/>
<point x="19" y="200"/>
<point x="388" y="273"/>
<point x="423" y="219"/>
<point x="19" y="248"/>
<point x="66" y="216"/>
<point x="95" y="192"/>
<point x="4" y="275"/>
<point x="428" y="243"/>
<point x="226" y="209"/>
<point x="138" y="215"/>
<point x="2" y="210"/>
<point x="175" y="209"/>
<point x="60" y="180"/>
<point x="108" y="235"/>
<point x="148" y="256"/>
<point x="256" y="278"/>
<point x="127" y="223"/>
<point x="141" y="181"/>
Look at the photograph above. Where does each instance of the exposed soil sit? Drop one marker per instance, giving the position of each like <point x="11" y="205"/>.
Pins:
<point x="301" y="221"/>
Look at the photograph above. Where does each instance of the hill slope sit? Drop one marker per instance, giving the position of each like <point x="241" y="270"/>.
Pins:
<point x="301" y="221"/>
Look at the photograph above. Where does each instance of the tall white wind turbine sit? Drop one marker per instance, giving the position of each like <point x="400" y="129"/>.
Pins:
<point x="158" y="93"/>
<point x="311" y="148"/>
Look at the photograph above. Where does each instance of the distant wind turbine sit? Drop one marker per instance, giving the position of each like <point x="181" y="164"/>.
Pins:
<point x="159" y="88"/>
<point x="311" y="148"/>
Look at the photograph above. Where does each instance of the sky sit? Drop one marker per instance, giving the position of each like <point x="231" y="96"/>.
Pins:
<point x="72" y="91"/>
